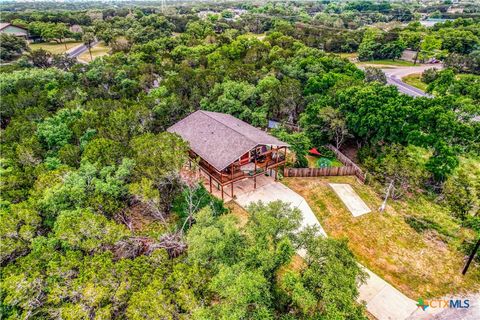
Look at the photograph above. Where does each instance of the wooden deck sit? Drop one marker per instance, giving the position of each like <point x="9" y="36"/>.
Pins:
<point x="270" y="160"/>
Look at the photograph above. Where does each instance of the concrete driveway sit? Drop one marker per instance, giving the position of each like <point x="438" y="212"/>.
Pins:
<point x="382" y="300"/>
<point x="277" y="191"/>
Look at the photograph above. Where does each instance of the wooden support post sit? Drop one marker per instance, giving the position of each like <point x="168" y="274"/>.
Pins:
<point x="222" y="191"/>
<point x="210" y="183"/>
<point x="231" y="176"/>
<point x="255" y="174"/>
<point x="277" y="156"/>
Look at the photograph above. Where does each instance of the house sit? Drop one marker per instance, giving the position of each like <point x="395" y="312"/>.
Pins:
<point x="9" y="28"/>
<point x="76" y="28"/>
<point x="229" y="150"/>
<point x="203" y="14"/>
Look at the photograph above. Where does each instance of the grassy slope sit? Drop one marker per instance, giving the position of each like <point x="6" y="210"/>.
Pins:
<point x="54" y="47"/>
<point x="97" y="51"/>
<point x="419" y="264"/>
<point x="415" y="80"/>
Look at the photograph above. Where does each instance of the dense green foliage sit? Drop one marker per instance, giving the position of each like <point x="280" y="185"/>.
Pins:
<point x="11" y="47"/>
<point x="98" y="219"/>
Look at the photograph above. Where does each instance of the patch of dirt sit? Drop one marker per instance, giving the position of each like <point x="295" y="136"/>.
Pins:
<point x="350" y="149"/>
<point x="237" y="211"/>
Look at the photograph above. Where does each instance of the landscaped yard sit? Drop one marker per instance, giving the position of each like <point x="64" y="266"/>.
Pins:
<point x="423" y="264"/>
<point x="313" y="162"/>
<point x="53" y="47"/>
<point x="97" y="51"/>
<point x="415" y="80"/>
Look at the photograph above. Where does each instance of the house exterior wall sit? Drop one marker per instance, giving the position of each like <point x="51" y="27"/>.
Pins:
<point x="15" y="31"/>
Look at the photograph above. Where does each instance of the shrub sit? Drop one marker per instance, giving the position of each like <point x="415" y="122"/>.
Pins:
<point x="429" y="75"/>
<point x="325" y="152"/>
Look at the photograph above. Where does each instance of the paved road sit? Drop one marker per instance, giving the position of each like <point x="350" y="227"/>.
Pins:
<point x="395" y="75"/>
<point x="78" y="50"/>
<point x="406" y="88"/>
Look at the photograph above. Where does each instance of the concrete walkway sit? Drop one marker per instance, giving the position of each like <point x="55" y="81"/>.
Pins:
<point x="382" y="300"/>
<point x="350" y="198"/>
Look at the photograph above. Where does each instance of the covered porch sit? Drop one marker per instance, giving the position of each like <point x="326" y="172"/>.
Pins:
<point x="239" y="187"/>
<point x="248" y="172"/>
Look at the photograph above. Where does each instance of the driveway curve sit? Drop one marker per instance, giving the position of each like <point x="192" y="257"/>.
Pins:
<point x="382" y="300"/>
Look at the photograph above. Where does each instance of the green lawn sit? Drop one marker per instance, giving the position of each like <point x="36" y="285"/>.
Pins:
<point x="54" y="47"/>
<point x="424" y="263"/>
<point x="415" y="80"/>
<point x="313" y="162"/>
<point x="387" y="62"/>
<point x="349" y="56"/>
<point x="97" y="51"/>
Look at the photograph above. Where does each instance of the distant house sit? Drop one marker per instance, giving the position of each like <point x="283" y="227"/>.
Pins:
<point x="17" y="31"/>
<point x="76" y="28"/>
<point x="430" y="22"/>
<point x="203" y="14"/>
<point x="453" y="9"/>
<point x="228" y="149"/>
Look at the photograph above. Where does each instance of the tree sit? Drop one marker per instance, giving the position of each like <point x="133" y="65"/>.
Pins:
<point x="403" y="167"/>
<point x="412" y="40"/>
<point x="430" y="47"/>
<point x="375" y="74"/>
<point x="63" y="61"/>
<point x="237" y="99"/>
<point x="50" y="31"/>
<point x="462" y="193"/>
<point x="19" y="224"/>
<point x="55" y="132"/>
<point x="335" y="125"/>
<point x="331" y="275"/>
<point x="158" y="156"/>
<point x="459" y="41"/>
<point x="429" y="75"/>
<point x="87" y="231"/>
<point x="88" y="39"/>
<point x="40" y="58"/>
<point x="11" y="47"/>
<point x="299" y="143"/>
<point x="103" y="152"/>
<point x="377" y="44"/>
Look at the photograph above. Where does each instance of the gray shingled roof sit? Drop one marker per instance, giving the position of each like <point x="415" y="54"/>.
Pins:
<point x="220" y="138"/>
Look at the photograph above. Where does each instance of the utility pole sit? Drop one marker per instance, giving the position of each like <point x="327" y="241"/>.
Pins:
<point x="472" y="255"/>
<point x="384" y="204"/>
